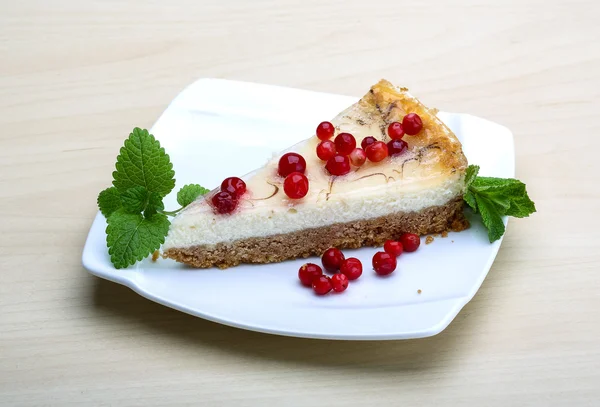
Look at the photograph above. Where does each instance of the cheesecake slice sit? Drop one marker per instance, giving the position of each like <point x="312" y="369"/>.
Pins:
<point x="418" y="191"/>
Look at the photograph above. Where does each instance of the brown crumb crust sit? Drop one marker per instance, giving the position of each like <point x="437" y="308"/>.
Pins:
<point x="308" y="242"/>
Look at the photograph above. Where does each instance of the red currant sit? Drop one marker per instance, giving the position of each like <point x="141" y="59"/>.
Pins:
<point x="395" y="131"/>
<point x="339" y="282"/>
<point x="295" y="185"/>
<point x="325" y="130"/>
<point x="338" y="165"/>
<point x="308" y="273"/>
<point x="326" y="150"/>
<point x="224" y="202"/>
<point x="412" y="124"/>
<point x="321" y="285"/>
<point x="393" y="247"/>
<point x="367" y="141"/>
<point x="291" y="162"/>
<point x="358" y="157"/>
<point x="234" y="185"/>
<point x="396" y="147"/>
<point x="410" y="242"/>
<point x="332" y="259"/>
<point x="351" y="268"/>
<point x="345" y="143"/>
<point x="377" y="151"/>
<point x="384" y="263"/>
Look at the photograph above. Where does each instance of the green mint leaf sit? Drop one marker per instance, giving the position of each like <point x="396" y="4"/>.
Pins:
<point x="155" y="204"/>
<point x="143" y="162"/>
<point x="470" y="200"/>
<point x="109" y="201"/>
<point x="134" y="199"/>
<point x="521" y="206"/>
<point x="131" y="237"/>
<point x="188" y="194"/>
<point x="470" y="175"/>
<point x="491" y="218"/>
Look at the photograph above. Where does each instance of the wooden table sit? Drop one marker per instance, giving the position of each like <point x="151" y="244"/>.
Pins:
<point x="76" y="76"/>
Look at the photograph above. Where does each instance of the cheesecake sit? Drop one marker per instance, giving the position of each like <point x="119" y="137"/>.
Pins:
<point x="417" y="188"/>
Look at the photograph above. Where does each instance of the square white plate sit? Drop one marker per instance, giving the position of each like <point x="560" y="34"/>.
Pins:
<point x="218" y="128"/>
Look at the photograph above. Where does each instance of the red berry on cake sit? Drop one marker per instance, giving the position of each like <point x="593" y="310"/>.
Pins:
<point x="384" y="263"/>
<point x="410" y="242"/>
<point x="234" y="185"/>
<point x="339" y="282"/>
<point x="291" y="162"/>
<point x="396" y="147"/>
<point x="395" y="131"/>
<point x="393" y="247"/>
<point x="326" y="150"/>
<point x="332" y="259"/>
<point x="351" y="268"/>
<point x="224" y="202"/>
<point x="308" y="272"/>
<point x="377" y="151"/>
<point x="367" y="141"/>
<point x="325" y="130"/>
<point x="338" y="165"/>
<point x="295" y="185"/>
<point x="358" y="157"/>
<point x="345" y="143"/>
<point x="322" y="285"/>
<point x="412" y="124"/>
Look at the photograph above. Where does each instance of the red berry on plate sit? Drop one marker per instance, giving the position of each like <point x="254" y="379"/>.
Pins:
<point x="332" y="259"/>
<point x="339" y="282"/>
<point x="367" y="141"/>
<point x="325" y="130"/>
<point x="384" y="263"/>
<point x="395" y="131"/>
<point x="396" y="147"/>
<point x="308" y="272"/>
<point x="295" y="185"/>
<point x="358" y="157"/>
<point x="326" y="150"/>
<point x="345" y="143"/>
<point x="224" y="202"/>
<point x="338" y="165"/>
<point x="322" y="285"/>
<point x="234" y="185"/>
<point x="351" y="268"/>
<point x="412" y="124"/>
<point x="393" y="247"/>
<point x="410" y="242"/>
<point x="291" y="162"/>
<point x="377" y="151"/>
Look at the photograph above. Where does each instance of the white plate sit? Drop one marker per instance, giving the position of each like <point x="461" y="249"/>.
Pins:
<point x="217" y="128"/>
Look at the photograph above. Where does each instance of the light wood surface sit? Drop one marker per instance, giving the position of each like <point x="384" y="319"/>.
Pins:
<point x="76" y="76"/>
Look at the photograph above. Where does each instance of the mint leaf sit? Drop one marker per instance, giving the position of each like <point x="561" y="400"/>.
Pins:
<point x="155" y="204"/>
<point x="131" y="237"/>
<point x="471" y="174"/>
<point x="491" y="218"/>
<point x="109" y="201"/>
<point x="470" y="200"/>
<point x="143" y="162"/>
<point x="134" y="199"/>
<point x="188" y="194"/>
<point x="521" y="207"/>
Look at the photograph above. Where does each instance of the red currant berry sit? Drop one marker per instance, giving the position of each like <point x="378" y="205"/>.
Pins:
<point x="325" y="130"/>
<point x="367" y="141"/>
<point x="326" y="150"/>
<point x="291" y="162"/>
<point x="351" y="268"/>
<point x="412" y="124"/>
<point x="321" y="285"/>
<point x="384" y="263"/>
<point x="295" y="185"/>
<point x="339" y="282"/>
<point x="345" y="143"/>
<point x="396" y="147"/>
<point x="308" y="273"/>
<point x="358" y="157"/>
<point x="393" y="247"/>
<point x="410" y="242"/>
<point x="332" y="259"/>
<point x="234" y="185"/>
<point x="395" y="131"/>
<point x="338" y="165"/>
<point x="224" y="202"/>
<point x="377" y="151"/>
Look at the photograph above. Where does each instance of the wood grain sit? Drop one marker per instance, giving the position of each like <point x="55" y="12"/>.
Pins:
<point x="76" y="76"/>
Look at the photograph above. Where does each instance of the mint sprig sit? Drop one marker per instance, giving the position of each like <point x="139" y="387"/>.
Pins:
<point x="133" y="207"/>
<point x="494" y="198"/>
